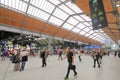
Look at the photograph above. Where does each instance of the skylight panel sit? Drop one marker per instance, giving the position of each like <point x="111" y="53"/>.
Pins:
<point x="90" y="23"/>
<point x="101" y="34"/>
<point x="56" y="2"/>
<point x="101" y="31"/>
<point x="91" y="36"/>
<point x="86" y="23"/>
<point x="79" y="18"/>
<point x="102" y="38"/>
<point x="55" y="21"/>
<point x="87" y="34"/>
<point x="33" y="2"/>
<point x="71" y="20"/>
<point x="94" y="37"/>
<point x="44" y="5"/>
<point x="17" y="4"/>
<point x="44" y="15"/>
<point x="59" y="13"/>
<point x="2" y="1"/>
<point x="77" y="9"/>
<point x="38" y="13"/>
<point x="6" y="2"/>
<point x="87" y="29"/>
<point x="38" y="3"/>
<point x="98" y="36"/>
<point x="85" y="17"/>
<point x="74" y="7"/>
<point x="66" y="9"/>
<point x="25" y="7"/>
<point x="90" y="27"/>
<point x="67" y="26"/>
<point x="22" y="6"/>
<point x="76" y="30"/>
<point x="10" y="3"/>
<point x="63" y="0"/>
<point x="30" y="9"/>
<point x="26" y="0"/>
<point x="95" y="34"/>
<point x="50" y="8"/>
<point x="91" y="32"/>
<point x="82" y="32"/>
<point x="33" y="10"/>
<point x="98" y="39"/>
<point x="81" y="26"/>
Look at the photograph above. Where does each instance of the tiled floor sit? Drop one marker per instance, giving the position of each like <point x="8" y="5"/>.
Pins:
<point x="56" y="70"/>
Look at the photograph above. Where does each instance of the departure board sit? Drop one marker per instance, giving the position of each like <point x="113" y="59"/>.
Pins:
<point x="97" y="14"/>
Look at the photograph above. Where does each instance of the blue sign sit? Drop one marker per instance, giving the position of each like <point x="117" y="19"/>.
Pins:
<point x="86" y="47"/>
<point x="92" y="47"/>
<point x="4" y="42"/>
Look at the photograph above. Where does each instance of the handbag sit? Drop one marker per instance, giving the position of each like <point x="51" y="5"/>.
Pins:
<point x="73" y="67"/>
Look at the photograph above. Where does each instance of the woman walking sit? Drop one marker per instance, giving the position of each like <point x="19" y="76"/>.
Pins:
<point x="24" y="59"/>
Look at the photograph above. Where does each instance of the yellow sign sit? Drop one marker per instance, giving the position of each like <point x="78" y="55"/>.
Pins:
<point x="103" y="46"/>
<point x="9" y="42"/>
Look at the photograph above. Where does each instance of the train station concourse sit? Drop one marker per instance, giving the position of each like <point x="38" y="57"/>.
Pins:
<point x="59" y="39"/>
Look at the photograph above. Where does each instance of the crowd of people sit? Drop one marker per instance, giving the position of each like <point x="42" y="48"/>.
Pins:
<point x="19" y="57"/>
<point x="16" y="56"/>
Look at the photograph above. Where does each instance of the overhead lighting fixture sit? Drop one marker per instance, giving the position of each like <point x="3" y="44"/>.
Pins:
<point x="117" y="5"/>
<point x="118" y="8"/>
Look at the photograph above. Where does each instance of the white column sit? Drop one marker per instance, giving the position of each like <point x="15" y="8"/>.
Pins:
<point x="50" y="48"/>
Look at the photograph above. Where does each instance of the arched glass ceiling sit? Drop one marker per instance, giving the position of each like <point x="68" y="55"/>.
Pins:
<point x="61" y="13"/>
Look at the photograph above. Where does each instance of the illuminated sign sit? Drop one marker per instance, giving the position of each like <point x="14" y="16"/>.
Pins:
<point x="97" y="14"/>
<point x="92" y="47"/>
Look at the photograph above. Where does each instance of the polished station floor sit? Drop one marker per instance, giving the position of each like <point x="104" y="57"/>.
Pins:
<point x="56" y="70"/>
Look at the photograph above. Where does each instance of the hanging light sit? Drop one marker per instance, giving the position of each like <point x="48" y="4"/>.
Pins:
<point x="118" y="4"/>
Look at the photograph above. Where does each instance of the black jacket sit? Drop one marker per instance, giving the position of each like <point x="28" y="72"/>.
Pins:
<point x="16" y="59"/>
<point x="69" y="57"/>
<point x="42" y="55"/>
<point x="24" y="58"/>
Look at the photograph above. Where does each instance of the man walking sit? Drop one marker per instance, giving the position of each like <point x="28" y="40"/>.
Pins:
<point x="70" y="58"/>
<point x="96" y="56"/>
<point x="43" y="56"/>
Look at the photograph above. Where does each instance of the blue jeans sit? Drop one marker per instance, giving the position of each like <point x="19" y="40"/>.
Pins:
<point x="22" y="65"/>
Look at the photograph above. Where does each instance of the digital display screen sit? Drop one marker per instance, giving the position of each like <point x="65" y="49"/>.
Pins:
<point x="92" y="47"/>
<point x="97" y="14"/>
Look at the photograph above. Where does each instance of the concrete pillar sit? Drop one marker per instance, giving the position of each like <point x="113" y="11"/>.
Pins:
<point x="50" y="48"/>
